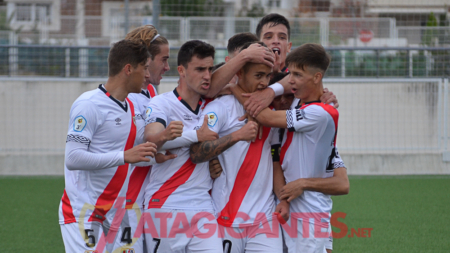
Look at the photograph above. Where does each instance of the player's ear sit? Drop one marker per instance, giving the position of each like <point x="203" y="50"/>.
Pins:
<point x="181" y="71"/>
<point x="318" y="77"/>
<point x="289" y="47"/>
<point x="240" y="73"/>
<point x="227" y="58"/>
<point x="127" y="68"/>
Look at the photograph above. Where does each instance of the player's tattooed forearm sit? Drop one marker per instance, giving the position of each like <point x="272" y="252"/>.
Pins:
<point x="207" y="150"/>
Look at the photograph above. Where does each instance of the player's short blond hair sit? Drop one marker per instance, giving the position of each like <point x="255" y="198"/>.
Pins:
<point x="147" y="34"/>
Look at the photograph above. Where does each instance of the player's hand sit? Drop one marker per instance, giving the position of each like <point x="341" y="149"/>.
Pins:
<point x="204" y="133"/>
<point x="328" y="97"/>
<point x="257" y="53"/>
<point x="250" y="118"/>
<point x="282" y="211"/>
<point x="160" y="157"/>
<point x="138" y="153"/>
<point x="292" y="190"/>
<point x="248" y="132"/>
<point x="173" y="130"/>
<point x="215" y="169"/>
<point x="277" y="63"/>
<point x="257" y="101"/>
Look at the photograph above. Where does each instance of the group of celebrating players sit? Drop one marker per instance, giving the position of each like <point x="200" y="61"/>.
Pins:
<point x="223" y="163"/>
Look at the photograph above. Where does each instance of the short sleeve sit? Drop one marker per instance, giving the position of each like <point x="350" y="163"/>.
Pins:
<point x="337" y="161"/>
<point x="157" y="111"/>
<point x="217" y="116"/>
<point x="304" y="120"/>
<point x="84" y="120"/>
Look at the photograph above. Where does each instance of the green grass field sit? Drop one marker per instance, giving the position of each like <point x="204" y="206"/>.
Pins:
<point x="406" y="213"/>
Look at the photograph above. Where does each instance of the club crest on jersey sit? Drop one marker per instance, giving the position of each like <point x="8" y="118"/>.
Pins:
<point x="148" y="112"/>
<point x="79" y="124"/>
<point x="212" y="119"/>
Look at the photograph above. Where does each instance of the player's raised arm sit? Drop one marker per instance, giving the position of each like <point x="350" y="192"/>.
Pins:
<point x="222" y="76"/>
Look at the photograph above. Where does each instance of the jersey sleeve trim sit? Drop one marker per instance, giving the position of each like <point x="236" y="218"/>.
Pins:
<point x="161" y="121"/>
<point x="290" y="121"/>
<point x="79" y="139"/>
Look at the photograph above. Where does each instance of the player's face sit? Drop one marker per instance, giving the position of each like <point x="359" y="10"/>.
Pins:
<point x="276" y="38"/>
<point x="138" y="76"/>
<point x="198" y="74"/>
<point x="254" y="77"/>
<point x="303" y="82"/>
<point x="147" y="75"/>
<point x="159" y="65"/>
<point x="283" y="102"/>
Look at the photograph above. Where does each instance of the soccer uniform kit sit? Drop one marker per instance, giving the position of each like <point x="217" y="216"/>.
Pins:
<point x="138" y="178"/>
<point x="100" y="129"/>
<point x="177" y="196"/>
<point x="242" y="194"/>
<point x="309" y="151"/>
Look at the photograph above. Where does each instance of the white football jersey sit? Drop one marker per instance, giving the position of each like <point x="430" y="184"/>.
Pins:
<point x="139" y="176"/>
<point x="244" y="189"/>
<point x="177" y="183"/>
<point x="105" y="125"/>
<point x="141" y="100"/>
<point x="309" y="151"/>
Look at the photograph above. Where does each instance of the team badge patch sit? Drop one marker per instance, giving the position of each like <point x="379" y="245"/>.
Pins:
<point x="212" y="119"/>
<point x="79" y="124"/>
<point x="148" y="112"/>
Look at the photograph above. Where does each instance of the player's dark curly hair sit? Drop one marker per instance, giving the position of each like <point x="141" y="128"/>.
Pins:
<point x="236" y="42"/>
<point x="126" y="52"/>
<point x="273" y="19"/>
<point x="193" y="48"/>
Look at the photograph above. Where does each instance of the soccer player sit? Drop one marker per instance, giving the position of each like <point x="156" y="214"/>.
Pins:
<point x="138" y="177"/>
<point x="178" y="192"/>
<point x="308" y="149"/>
<point x="99" y="148"/>
<point x="158" y="46"/>
<point x="274" y="30"/>
<point x="243" y="194"/>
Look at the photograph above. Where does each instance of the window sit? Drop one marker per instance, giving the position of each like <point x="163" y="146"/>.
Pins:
<point x="33" y="12"/>
<point x="274" y="3"/>
<point x="23" y="12"/>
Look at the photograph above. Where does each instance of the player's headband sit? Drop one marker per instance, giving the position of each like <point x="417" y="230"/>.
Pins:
<point x="154" y="38"/>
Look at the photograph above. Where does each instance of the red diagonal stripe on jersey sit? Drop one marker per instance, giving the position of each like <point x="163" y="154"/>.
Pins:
<point x="334" y="114"/>
<point x="67" y="209"/>
<point x="243" y="181"/>
<point x="180" y="177"/>
<point x="286" y="145"/>
<point x="109" y="194"/>
<point x="137" y="179"/>
<point x="151" y="89"/>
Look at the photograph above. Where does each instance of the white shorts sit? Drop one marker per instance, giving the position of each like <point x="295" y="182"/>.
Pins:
<point x="305" y="243"/>
<point x="126" y="237"/>
<point x="266" y="237"/>
<point x="178" y="231"/>
<point x="84" y="238"/>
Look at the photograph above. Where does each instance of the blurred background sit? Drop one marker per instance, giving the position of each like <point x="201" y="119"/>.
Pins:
<point x="390" y="68"/>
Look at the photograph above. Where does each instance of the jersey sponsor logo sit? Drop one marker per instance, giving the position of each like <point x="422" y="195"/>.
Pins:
<point x="187" y="117"/>
<point x="118" y="120"/>
<point x="148" y="112"/>
<point x="299" y="114"/>
<point x="212" y="119"/>
<point x="79" y="124"/>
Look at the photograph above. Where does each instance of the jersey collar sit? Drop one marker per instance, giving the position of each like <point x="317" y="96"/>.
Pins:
<point x="125" y="108"/>
<point x="200" y="102"/>
<point x="299" y="105"/>
<point x="147" y="94"/>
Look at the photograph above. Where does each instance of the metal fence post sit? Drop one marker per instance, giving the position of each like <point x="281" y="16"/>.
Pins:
<point x="377" y="52"/>
<point x="410" y="61"/>
<point x="67" y="62"/>
<point x="343" y="63"/>
<point x="446" y="111"/>
<point x="83" y="62"/>
<point x="13" y="52"/>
